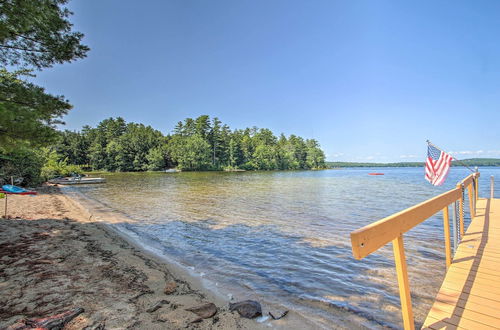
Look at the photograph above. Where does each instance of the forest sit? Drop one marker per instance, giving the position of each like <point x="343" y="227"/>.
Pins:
<point x="195" y="144"/>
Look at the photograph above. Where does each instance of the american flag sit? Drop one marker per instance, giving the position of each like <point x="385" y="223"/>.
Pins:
<point x="437" y="165"/>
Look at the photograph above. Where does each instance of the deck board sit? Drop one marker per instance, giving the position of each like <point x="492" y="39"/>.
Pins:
<point x="469" y="297"/>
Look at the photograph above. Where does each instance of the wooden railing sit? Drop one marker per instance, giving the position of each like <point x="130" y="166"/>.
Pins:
<point x="372" y="237"/>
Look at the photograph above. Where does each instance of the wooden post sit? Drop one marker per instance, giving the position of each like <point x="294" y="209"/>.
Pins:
<point x="471" y="202"/>
<point x="492" y="187"/>
<point x="447" y="242"/>
<point x="6" y="206"/>
<point x="403" y="282"/>
<point x="461" y="215"/>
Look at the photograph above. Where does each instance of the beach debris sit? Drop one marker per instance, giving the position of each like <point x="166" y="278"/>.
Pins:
<point x="278" y="317"/>
<point x="48" y="323"/>
<point x="157" y="306"/>
<point x="170" y="287"/>
<point x="204" y="311"/>
<point x="142" y="293"/>
<point x="247" y="308"/>
<point x="100" y="326"/>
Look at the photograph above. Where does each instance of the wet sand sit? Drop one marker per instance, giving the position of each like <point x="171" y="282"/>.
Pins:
<point x="53" y="257"/>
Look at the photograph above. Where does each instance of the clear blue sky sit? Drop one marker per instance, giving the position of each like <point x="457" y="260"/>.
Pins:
<point x="371" y="80"/>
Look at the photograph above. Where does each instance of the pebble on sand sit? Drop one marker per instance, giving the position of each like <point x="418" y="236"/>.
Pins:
<point x="170" y="287"/>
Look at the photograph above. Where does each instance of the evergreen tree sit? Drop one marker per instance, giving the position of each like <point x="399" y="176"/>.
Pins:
<point x="33" y="35"/>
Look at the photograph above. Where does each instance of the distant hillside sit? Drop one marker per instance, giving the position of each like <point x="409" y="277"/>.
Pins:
<point x="469" y="162"/>
<point x="354" y="164"/>
<point x="480" y="162"/>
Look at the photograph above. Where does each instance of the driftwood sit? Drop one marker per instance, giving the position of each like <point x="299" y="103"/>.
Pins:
<point x="54" y="322"/>
<point x="100" y="326"/>
<point x="157" y="306"/>
<point x="278" y="317"/>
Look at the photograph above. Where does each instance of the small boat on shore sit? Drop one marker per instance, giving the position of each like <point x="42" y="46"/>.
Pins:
<point x="172" y="170"/>
<point x="77" y="180"/>
<point x="376" y="173"/>
<point x="234" y="170"/>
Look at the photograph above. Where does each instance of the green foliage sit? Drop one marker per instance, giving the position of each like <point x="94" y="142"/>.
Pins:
<point x="33" y="35"/>
<point x="477" y="162"/>
<point x="264" y="157"/>
<point x="315" y="157"/>
<point x="28" y="115"/>
<point x="191" y="153"/>
<point x="197" y="144"/>
<point x="156" y="158"/>
<point x="37" y="34"/>
<point x="55" y="167"/>
<point x="23" y="164"/>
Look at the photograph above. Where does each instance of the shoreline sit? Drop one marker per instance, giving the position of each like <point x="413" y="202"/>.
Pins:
<point x="54" y="258"/>
<point x="123" y="281"/>
<point x="109" y="219"/>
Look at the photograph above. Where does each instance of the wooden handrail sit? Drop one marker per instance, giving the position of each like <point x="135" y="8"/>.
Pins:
<point x="375" y="235"/>
<point x="468" y="180"/>
<point x="372" y="237"/>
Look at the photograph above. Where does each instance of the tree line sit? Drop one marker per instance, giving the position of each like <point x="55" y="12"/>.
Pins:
<point x="195" y="144"/>
<point x="36" y="35"/>
<point x="468" y="162"/>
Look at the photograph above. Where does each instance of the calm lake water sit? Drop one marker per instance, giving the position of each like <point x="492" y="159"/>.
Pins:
<point x="283" y="237"/>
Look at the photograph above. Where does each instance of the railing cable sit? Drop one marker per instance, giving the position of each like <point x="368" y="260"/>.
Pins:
<point x="455" y="227"/>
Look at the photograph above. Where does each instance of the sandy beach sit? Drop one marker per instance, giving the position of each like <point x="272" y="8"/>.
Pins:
<point x="54" y="258"/>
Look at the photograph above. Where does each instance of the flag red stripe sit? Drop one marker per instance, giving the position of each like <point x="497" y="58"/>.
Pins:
<point x="437" y="171"/>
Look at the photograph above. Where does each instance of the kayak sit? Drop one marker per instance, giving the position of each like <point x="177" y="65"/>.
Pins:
<point x="375" y="173"/>
<point x="10" y="189"/>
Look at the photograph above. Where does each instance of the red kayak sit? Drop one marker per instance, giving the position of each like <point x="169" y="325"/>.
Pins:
<point x="375" y="173"/>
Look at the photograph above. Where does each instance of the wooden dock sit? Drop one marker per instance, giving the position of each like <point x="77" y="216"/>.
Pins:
<point x="469" y="297"/>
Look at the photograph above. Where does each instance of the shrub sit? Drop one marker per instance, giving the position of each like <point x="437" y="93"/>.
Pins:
<point x="55" y="167"/>
<point x="23" y="165"/>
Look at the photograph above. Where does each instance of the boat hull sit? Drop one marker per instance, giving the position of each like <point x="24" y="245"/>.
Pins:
<point x="78" y="181"/>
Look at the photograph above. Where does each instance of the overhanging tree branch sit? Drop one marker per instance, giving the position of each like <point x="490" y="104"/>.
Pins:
<point x="24" y="49"/>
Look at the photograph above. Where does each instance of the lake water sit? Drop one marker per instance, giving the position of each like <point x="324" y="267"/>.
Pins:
<point x="283" y="237"/>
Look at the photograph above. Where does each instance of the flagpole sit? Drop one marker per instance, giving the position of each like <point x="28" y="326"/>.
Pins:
<point x="463" y="164"/>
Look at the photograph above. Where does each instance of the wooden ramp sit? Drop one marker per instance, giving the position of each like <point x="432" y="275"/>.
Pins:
<point x="469" y="297"/>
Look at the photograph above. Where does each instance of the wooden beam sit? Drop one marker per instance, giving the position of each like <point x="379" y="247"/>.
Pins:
<point x="467" y="181"/>
<point x="373" y="236"/>
<point x="403" y="282"/>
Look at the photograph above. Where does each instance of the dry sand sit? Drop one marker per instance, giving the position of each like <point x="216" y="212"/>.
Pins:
<point x="53" y="258"/>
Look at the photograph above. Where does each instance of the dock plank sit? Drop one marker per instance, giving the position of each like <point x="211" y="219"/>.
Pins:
<point x="469" y="297"/>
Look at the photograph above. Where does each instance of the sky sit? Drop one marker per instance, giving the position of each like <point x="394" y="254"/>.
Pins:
<point x="370" y="80"/>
